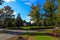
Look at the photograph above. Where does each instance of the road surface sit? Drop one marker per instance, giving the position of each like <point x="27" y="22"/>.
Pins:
<point x="11" y="33"/>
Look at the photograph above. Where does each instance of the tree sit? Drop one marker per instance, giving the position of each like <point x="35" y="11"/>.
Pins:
<point x="5" y="14"/>
<point x="50" y="8"/>
<point x="7" y="10"/>
<point x="58" y="13"/>
<point x="35" y="13"/>
<point x="1" y="1"/>
<point x="9" y="22"/>
<point x="19" y="21"/>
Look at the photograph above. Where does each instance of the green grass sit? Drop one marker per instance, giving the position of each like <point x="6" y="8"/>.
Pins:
<point x="37" y="27"/>
<point x="29" y="27"/>
<point x="45" y="38"/>
<point x="40" y="37"/>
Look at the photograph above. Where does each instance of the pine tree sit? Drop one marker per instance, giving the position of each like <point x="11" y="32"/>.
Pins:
<point x="58" y="14"/>
<point x="35" y="13"/>
<point x="50" y="12"/>
<point x="19" y="21"/>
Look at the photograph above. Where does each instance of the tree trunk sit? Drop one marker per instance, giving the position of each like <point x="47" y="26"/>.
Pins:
<point x="37" y="24"/>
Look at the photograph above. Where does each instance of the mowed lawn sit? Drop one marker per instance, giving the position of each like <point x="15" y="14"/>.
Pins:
<point x="42" y="37"/>
<point x="36" y="37"/>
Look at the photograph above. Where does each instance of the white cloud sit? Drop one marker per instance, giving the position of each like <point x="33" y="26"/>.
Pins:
<point x="22" y="0"/>
<point x="9" y="0"/>
<point x="28" y="18"/>
<point x="27" y="3"/>
<point x="28" y="0"/>
<point x="14" y="13"/>
<point x="32" y="1"/>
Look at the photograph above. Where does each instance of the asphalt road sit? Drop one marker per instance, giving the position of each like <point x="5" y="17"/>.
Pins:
<point x="11" y="33"/>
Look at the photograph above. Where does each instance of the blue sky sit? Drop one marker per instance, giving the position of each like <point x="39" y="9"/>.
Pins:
<point x="22" y="6"/>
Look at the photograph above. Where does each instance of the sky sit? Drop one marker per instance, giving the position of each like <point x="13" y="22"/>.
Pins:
<point x="22" y="7"/>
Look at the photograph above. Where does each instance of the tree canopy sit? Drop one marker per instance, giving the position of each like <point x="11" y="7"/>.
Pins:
<point x="35" y="13"/>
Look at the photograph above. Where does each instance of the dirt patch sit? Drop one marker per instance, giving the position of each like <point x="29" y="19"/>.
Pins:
<point x="19" y="38"/>
<point x="31" y="38"/>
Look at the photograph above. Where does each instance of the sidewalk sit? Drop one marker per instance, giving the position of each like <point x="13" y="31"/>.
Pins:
<point x="6" y="36"/>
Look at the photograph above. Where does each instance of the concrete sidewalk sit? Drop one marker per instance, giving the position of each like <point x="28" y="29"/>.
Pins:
<point x="6" y="36"/>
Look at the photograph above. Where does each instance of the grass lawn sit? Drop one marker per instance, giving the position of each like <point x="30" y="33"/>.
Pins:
<point x="35" y="37"/>
<point x="45" y="38"/>
<point x="34" y="27"/>
<point x="29" y="27"/>
<point x="39" y="37"/>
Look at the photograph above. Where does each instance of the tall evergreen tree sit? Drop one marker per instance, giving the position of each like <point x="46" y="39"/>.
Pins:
<point x="35" y="13"/>
<point x="58" y="14"/>
<point x="19" y="21"/>
<point x="50" y="12"/>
